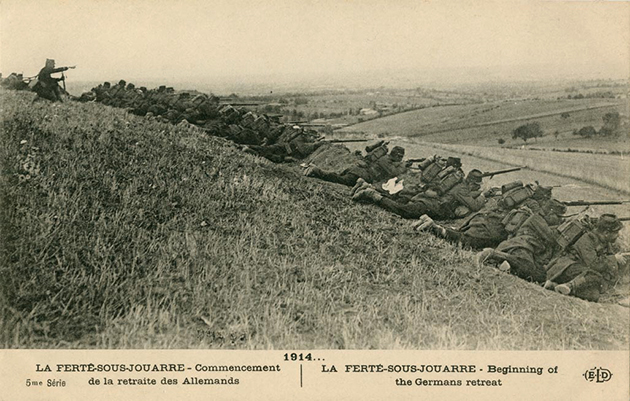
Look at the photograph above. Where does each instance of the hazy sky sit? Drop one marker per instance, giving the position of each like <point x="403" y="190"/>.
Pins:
<point x="188" y="38"/>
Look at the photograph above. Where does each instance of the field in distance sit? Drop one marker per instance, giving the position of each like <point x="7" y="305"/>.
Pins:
<point x="484" y="124"/>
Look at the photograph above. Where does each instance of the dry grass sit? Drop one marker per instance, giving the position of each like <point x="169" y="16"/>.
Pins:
<point x="126" y="233"/>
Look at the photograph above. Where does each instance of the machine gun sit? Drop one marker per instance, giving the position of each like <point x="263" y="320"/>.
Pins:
<point x="592" y="203"/>
<point x="493" y="173"/>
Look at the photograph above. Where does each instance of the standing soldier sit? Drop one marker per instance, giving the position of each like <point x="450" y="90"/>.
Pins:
<point x="47" y="87"/>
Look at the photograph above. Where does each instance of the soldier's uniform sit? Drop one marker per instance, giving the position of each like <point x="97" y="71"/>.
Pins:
<point x="530" y="247"/>
<point x="47" y="87"/>
<point x="292" y="144"/>
<point x="486" y="228"/>
<point x="589" y="266"/>
<point x="376" y="166"/>
<point x="458" y="201"/>
<point x="101" y="91"/>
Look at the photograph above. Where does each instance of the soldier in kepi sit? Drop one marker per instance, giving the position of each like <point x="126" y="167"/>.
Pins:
<point x="47" y="86"/>
<point x="588" y="267"/>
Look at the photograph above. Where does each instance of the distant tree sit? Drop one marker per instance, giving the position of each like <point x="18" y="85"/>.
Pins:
<point x="527" y="131"/>
<point x="501" y="141"/>
<point x="556" y="134"/>
<point x="565" y="115"/>
<point x="587" y="132"/>
<point x="612" y="121"/>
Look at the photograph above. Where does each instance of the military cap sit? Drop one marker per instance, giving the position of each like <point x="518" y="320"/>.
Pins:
<point x="556" y="207"/>
<point x="609" y="222"/>
<point x="122" y="82"/>
<point x="398" y="149"/>
<point x="454" y="161"/>
<point x="475" y="175"/>
<point x="541" y="192"/>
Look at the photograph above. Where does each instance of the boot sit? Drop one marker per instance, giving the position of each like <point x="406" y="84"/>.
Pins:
<point x="312" y="171"/>
<point x="483" y="256"/>
<point x="572" y="286"/>
<point x="505" y="266"/>
<point x="423" y="223"/>
<point x="564" y="289"/>
<point x="369" y="194"/>
<point x="360" y="184"/>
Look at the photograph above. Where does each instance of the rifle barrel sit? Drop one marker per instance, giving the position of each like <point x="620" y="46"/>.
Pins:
<point x="592" y="203"/>
<point x="493" y="173"/>
<point x="345" y="140"/>
<point x="420" y="160"/>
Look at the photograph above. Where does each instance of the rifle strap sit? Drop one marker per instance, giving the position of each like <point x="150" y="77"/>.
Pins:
<point x="575" y="214"/>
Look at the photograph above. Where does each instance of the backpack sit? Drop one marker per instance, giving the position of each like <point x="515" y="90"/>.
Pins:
<point x="572" y="230"/>
<point x="431" y="171"/>
<point x="514" y="196"/>
<point x="376" y="153"/>
<point x="447" y="179"/>
<point x="515" y="219"/>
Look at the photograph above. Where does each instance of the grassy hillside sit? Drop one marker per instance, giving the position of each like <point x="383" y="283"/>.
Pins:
<point x="118" y="232"/>
<point x="484" y="124"/>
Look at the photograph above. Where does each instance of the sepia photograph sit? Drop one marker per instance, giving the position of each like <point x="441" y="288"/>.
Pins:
<point x="317" y="175"/>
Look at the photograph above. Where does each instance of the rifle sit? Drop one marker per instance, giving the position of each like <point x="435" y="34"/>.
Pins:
<point x="345" y="140"/>
<point x="493" y="173"/>
<point x="63" y="77"/>
<point x="591" y="203"/>
<point x="420" y="160"/>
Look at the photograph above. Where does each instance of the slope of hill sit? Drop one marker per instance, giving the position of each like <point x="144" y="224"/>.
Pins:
<point x="119" y="232"/>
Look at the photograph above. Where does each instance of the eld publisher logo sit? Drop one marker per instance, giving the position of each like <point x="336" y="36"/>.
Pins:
<point x="598" y="375"/>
